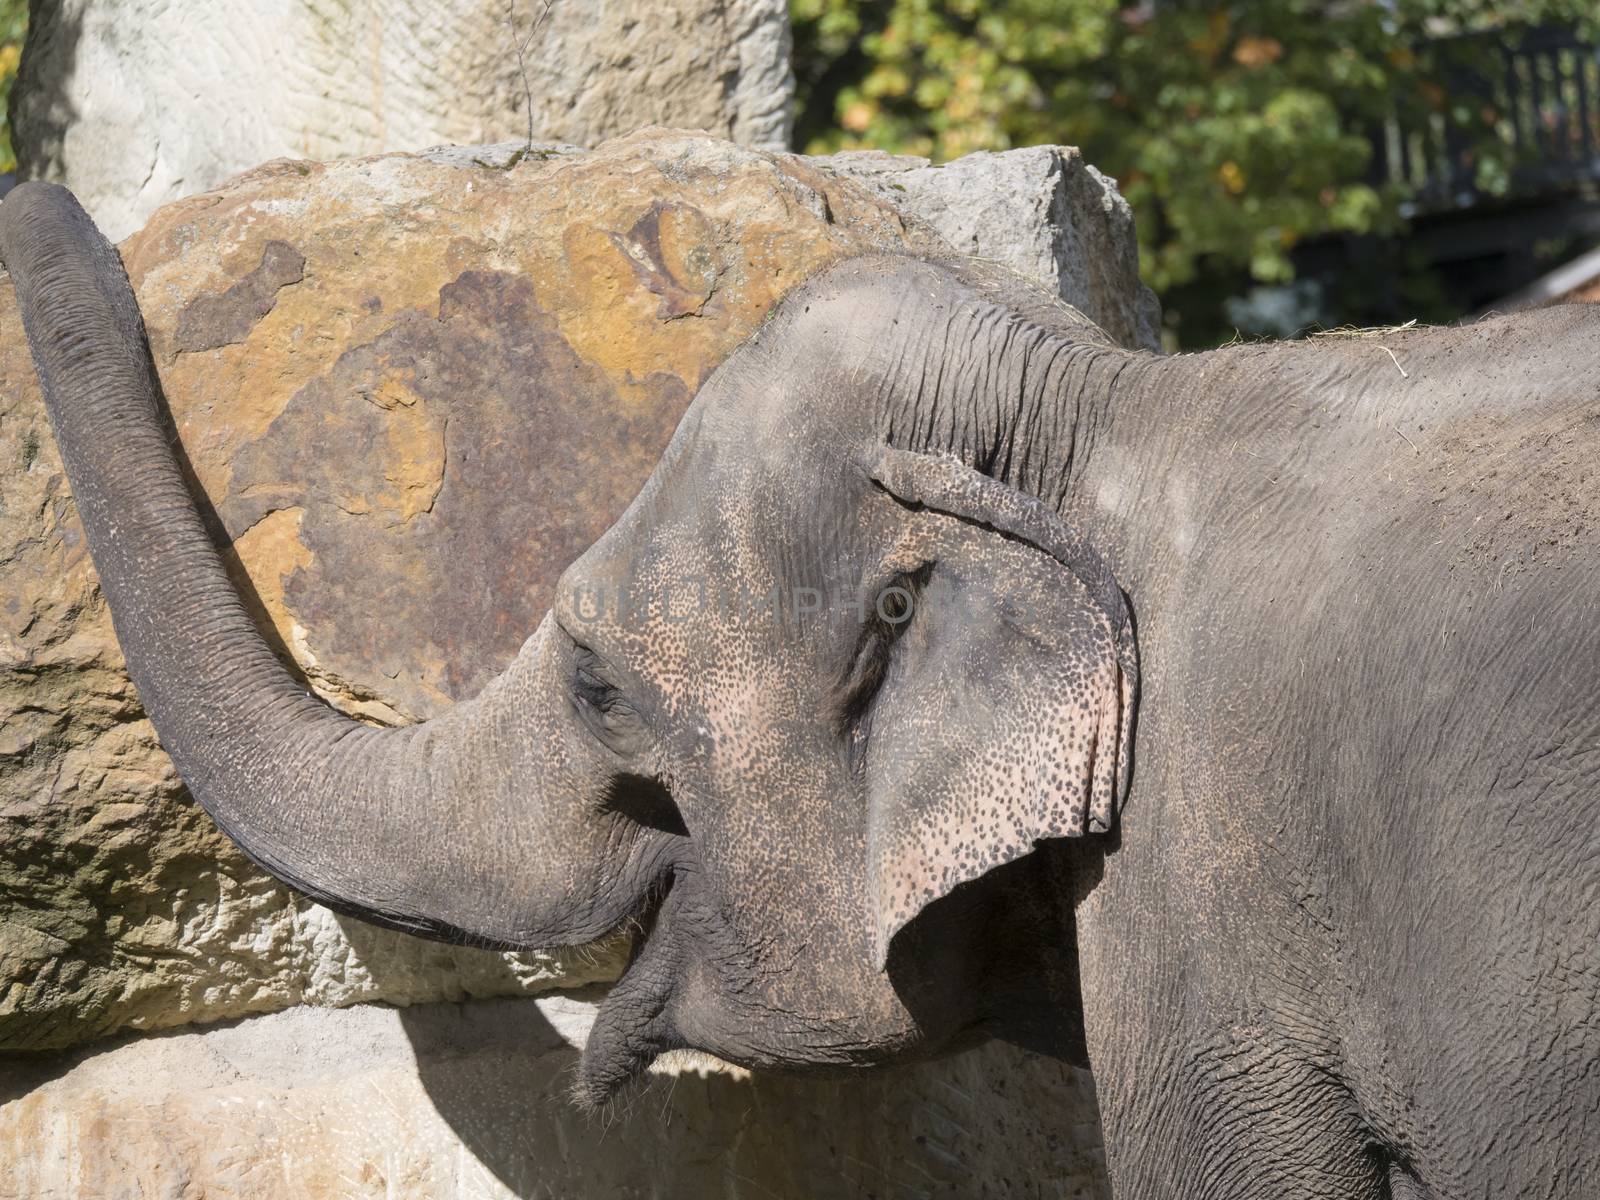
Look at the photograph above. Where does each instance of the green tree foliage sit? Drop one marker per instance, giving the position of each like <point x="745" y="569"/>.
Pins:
<point x="13" y="24"/>
<point x="1236" y="130"/>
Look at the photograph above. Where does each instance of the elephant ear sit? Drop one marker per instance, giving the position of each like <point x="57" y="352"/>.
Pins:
<point x="1004" y="712"/>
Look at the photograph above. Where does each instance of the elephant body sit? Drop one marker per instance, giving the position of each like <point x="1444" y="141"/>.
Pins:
<point x="1226" y="723"/>
<point x="1351" y="926"/>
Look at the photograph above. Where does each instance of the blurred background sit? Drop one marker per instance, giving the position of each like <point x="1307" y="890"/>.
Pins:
<point x="1293" y="164"/>
<point x="13" y="24"/>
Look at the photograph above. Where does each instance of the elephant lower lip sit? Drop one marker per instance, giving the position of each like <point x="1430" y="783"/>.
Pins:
<point x="633" y="1026"/>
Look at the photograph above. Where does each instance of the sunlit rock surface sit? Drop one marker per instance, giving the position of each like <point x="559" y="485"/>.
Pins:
<point x="136" y="103"/>
<point x="467" y="1102"/>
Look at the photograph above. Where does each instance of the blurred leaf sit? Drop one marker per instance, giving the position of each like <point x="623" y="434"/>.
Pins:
<point x="1239" y="130"/>
<point x="13" y="27"/>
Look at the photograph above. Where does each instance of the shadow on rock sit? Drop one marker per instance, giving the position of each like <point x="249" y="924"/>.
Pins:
<point x="995" y="1121"/>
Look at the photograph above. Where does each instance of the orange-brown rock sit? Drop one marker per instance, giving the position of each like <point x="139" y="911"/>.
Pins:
<point x="412" y="390"/>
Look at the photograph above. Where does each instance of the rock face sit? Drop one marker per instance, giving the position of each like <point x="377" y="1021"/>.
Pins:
<point x="412" y="389"/>
<point x="134" y="103"/>
<point x="466" y="1102"/>
<point x="1042" y="211"/>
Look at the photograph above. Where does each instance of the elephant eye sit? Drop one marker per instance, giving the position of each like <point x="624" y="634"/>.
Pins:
<point x="592" y="688"/>
<point x="607" y="712"/>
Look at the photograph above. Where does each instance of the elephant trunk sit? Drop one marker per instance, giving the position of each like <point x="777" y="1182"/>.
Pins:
<point x="485" y="824"/>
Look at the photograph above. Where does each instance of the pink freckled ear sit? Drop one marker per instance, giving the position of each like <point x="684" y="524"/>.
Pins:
<point x="1006" y="715"/>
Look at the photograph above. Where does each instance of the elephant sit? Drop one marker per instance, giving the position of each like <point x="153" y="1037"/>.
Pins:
<point x="1224" y="722"/>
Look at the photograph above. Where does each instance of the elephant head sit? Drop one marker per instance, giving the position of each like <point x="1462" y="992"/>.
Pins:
<point x="840" y="659"/>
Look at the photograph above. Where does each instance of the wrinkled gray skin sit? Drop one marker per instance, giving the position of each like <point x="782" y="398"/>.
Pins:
<point x="1343" y="940"/>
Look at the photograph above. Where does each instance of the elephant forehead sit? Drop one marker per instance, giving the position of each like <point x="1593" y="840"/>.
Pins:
<point x="728" y="546"/>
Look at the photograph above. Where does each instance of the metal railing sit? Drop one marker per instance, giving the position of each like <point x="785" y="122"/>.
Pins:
<point x="1532" y="97"/>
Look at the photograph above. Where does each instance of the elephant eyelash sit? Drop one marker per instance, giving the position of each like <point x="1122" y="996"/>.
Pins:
<point x="874" y="651"/>
<point x="868" y="665"/>
<point x="594" y="690"/>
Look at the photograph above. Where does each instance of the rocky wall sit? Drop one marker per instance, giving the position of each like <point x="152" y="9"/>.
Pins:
<point x="135" y="103"/>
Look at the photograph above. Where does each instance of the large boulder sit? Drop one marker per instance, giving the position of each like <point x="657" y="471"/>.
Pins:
<point x="412" y="388"/>
<point x="1042" y="211"/>
<point x="134" y="103"/>
<point x="467" y="1102"/>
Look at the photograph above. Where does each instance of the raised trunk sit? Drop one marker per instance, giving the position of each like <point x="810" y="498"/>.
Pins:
<point x="483" y="824"/>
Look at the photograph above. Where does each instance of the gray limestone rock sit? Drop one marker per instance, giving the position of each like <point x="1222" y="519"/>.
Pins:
<point x="467" y="1103"/>
<point x="134" y="103"/>
<point x="1043" y="211"/>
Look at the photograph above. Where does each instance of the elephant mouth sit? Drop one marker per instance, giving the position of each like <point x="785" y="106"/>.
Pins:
<point x="634" y="1026"/>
